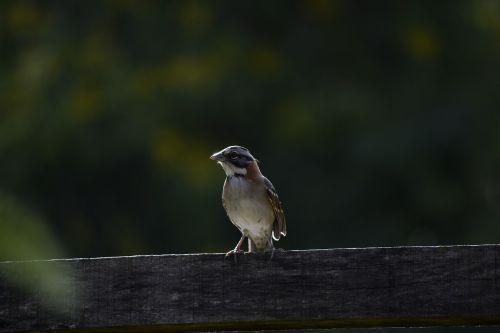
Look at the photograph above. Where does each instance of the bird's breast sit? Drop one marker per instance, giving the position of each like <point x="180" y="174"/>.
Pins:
<point x="247" y="206"/>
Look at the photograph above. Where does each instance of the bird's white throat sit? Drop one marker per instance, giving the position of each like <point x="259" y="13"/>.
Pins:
<point x="231" y="170"/>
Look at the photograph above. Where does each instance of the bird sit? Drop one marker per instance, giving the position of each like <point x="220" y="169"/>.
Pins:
<point x="250" y="200"/>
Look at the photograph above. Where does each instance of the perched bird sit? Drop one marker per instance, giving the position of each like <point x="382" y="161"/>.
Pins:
<point x="250" y="200"/>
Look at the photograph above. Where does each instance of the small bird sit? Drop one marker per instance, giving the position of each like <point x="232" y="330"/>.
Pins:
<point x="250" y="200"/>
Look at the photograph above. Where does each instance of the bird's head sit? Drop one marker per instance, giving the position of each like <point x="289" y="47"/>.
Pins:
<point x="234" y="160"/>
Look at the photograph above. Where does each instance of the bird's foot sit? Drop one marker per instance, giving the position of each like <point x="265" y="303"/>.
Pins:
<point x="234" y="253"/>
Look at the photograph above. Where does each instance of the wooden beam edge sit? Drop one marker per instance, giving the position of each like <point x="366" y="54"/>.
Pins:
<point x="217" y="254"/>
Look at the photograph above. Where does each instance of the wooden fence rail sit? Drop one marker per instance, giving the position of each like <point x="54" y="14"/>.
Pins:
<point x="366" y="287"/>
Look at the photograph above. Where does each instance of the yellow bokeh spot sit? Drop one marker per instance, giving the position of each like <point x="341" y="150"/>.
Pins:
<point x="84" y="103"/>
<point x="22" y="15"/>
<point x="421" y="42"/>
<point x="186" y="156"/>
<point x="487" y="15"/>
<point x="183" y="72"/>
<point x="195" y="16"/>
<point x="265" y="61"/>
<point x="325" y="9"/>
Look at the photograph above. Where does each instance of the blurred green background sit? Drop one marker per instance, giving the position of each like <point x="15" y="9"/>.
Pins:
<point x="377" y="122"/>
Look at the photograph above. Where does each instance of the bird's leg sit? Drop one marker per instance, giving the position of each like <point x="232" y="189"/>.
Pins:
<point x="251" y="246"/>
<point x="270" y="248"/>
<point x="237" y="248"/>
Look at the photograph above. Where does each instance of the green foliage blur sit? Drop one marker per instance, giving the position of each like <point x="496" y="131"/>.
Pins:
<point x="377" y="122"/>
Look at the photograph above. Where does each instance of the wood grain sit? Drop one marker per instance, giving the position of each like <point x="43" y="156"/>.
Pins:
<point x="366" y="287"/>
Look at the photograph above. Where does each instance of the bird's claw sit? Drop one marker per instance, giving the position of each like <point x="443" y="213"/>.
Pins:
<point x="234" y="253"/>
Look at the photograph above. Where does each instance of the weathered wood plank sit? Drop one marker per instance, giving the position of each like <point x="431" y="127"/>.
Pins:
<point x="368" y="287"/>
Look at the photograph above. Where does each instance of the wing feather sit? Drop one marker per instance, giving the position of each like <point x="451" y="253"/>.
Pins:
<point x="279" y="226"/>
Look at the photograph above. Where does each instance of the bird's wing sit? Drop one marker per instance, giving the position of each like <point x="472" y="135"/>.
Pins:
<point x="279" y="226"/>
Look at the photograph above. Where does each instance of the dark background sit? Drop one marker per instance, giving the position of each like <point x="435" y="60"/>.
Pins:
<point x="377" y="121"/>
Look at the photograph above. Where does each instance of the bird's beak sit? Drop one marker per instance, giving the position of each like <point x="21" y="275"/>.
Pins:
<point x="217" y="157"/>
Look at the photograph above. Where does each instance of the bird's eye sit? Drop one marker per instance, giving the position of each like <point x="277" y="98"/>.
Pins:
<point x="233" y="156"/>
